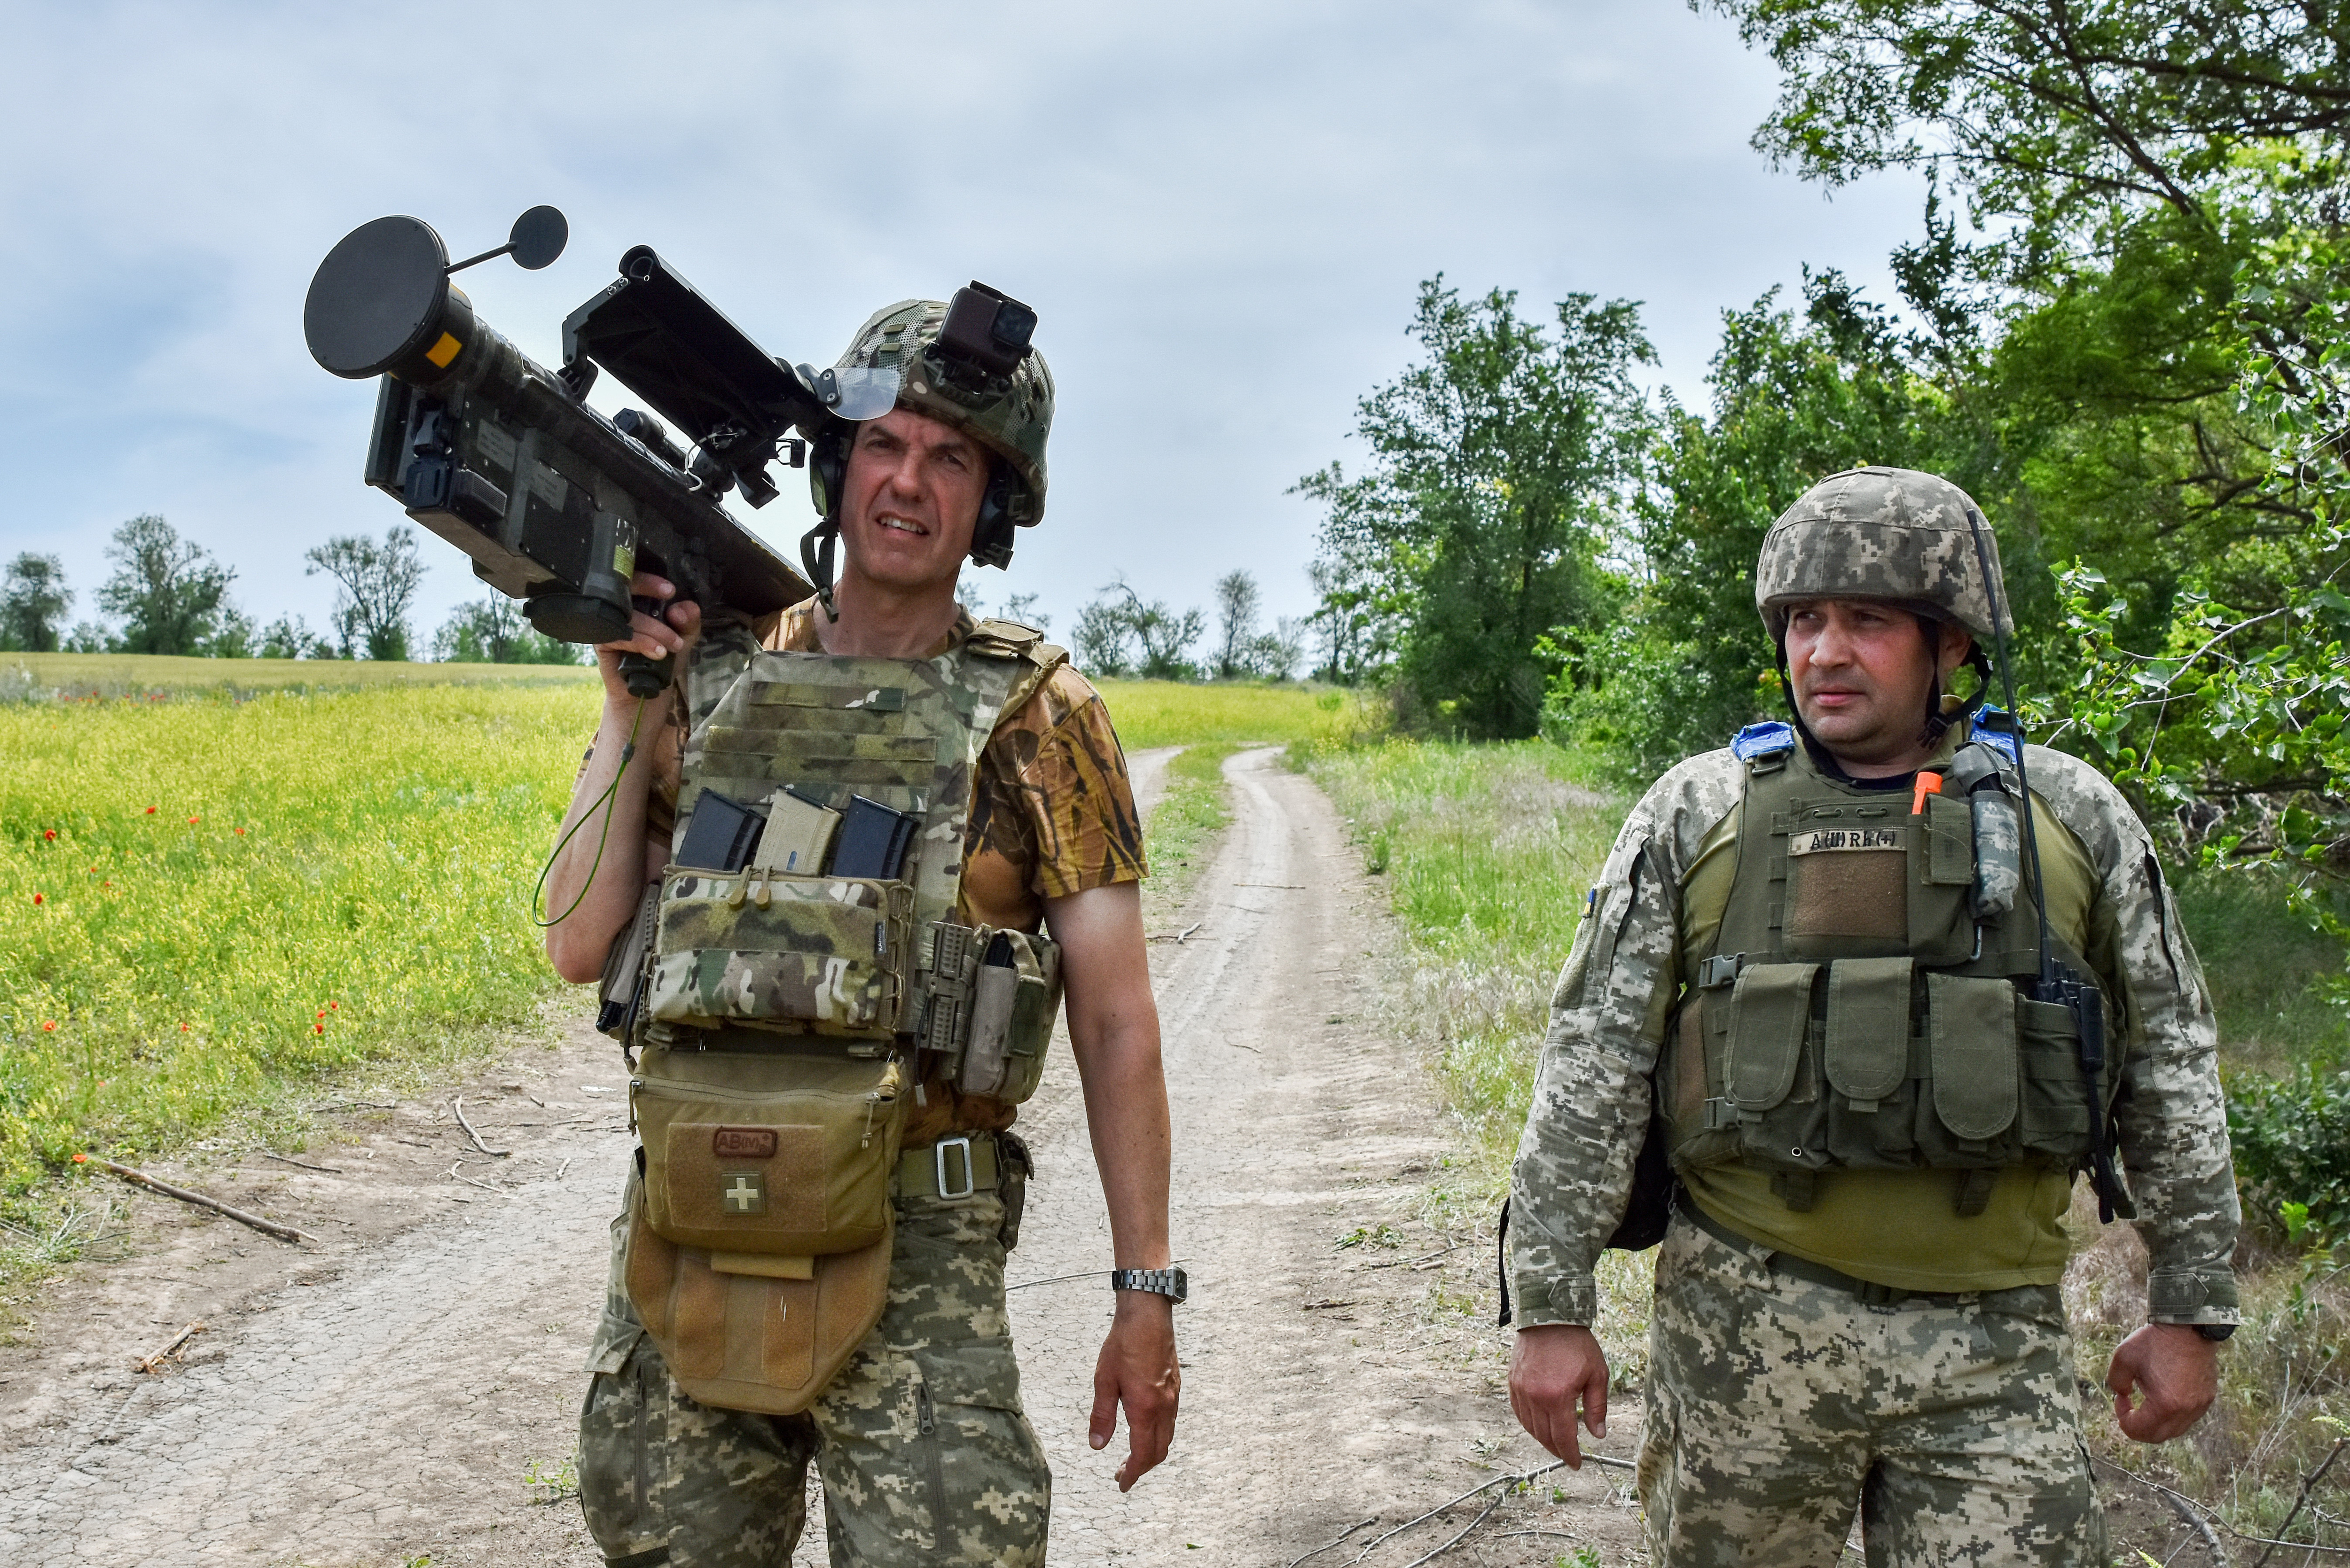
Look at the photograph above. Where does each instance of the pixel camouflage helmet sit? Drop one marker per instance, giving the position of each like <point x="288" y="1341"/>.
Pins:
<point x="1890" y="533"/>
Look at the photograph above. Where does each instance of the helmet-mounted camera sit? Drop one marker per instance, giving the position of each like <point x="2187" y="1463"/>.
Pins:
<point x="986" y="336"/>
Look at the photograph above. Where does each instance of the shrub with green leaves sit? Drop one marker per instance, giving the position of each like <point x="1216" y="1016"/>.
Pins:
<point x="2292" y="1136"/>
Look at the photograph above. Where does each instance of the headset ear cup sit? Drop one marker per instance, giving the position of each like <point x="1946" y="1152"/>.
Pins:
<point x="990" y="538"/>
<point x="828" y="472"/>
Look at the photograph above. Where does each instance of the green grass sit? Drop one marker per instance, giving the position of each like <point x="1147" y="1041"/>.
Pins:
<point x="208" y="903"/>
<point x="334" y="876"/>
<point x="1487" y="851"/>
<point x="1174" y="713"/>
<point x="1194" y="809"/>
<point x="68" y="677"/>
<point x="2267" y="970"/>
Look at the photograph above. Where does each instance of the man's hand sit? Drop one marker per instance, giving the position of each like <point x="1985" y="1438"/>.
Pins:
<point x="1137" y="1369"/>
<point x="1551" y="1367"/>
<point x="673" y="631"/>
<point x="2175" y="1372"/>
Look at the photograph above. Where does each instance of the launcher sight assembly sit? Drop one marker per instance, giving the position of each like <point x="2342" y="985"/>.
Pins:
<point x="556" y="504"/>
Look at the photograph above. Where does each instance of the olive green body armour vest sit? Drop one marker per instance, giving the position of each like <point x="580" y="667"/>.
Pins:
<point x="874" y="966"/>
<point x="1867" y="1003"/>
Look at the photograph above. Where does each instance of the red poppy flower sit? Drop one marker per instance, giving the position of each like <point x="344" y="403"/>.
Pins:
<point x="193" y="820"/>
<point x="37" y="897"/>
<point x="50" y="833"/>
<point x="81" y="1159"/>
<point x="317" y="1028"/>
<point x="49" y="1026"/>
<point x="150" y="811"/>
<point x="240" y="832"/>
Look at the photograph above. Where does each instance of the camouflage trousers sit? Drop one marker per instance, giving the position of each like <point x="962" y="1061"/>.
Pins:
<point x="925" y="1454"/>
<point x="1777" y="1405"/>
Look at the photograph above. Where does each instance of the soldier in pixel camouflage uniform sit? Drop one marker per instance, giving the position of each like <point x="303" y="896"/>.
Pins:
<point x="1815" y="975"/>
<point x="924" y="1451"/>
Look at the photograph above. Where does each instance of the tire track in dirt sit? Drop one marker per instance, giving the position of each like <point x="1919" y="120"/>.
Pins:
<point x="1318" y="1389"/>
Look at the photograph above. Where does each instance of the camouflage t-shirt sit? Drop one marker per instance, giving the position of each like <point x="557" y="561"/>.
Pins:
<point x="1051" y="814"/>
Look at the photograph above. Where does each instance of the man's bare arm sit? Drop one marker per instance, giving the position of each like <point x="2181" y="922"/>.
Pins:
<point x="1113" y="1031"/>
<point x="576" y="945"/>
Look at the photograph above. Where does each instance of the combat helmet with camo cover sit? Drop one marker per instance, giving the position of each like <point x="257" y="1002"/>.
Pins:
<point x="1007" y="407"/>
<point x="1890" y="533"/>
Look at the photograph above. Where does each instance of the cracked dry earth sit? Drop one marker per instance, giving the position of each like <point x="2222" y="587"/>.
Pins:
<point x="376" y="1397"/>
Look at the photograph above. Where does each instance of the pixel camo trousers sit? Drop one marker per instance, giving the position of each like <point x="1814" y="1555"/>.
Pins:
<point x="925" y="1454"/>
<point x="1775" y="1404"/>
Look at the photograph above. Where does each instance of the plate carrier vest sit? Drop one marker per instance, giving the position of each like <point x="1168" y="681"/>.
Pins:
<point x="782" y="1017"/>
<point x="873" y="966"/>
<point x="1869" y="1000"/>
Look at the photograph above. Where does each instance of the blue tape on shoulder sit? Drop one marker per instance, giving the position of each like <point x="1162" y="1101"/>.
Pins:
<point x="1761" y="741"/>
<point x="1995" y="728"/>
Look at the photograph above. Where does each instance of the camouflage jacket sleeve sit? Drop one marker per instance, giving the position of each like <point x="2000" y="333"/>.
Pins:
<point x="1590" y="1111"/>
<point x="2170" y="1119"/>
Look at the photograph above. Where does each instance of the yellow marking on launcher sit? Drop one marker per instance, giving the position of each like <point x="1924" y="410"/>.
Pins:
<point x="441" y="353"/>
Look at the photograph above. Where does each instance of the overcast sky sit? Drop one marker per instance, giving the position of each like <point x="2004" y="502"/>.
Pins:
<point x="1221" y="212"/>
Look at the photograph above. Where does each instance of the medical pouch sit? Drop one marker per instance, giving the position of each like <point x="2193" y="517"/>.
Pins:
<point x="768" y="1154"/>
<point x="754" y="1342"/>
<point x="820" y="955"/>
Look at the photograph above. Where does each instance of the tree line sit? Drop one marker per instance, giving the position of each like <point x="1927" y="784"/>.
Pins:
<point x="2121" y="326"/>
<point x="169" y="595"/>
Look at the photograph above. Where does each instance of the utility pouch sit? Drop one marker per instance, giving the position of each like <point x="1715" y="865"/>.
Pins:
<point x="1941" y="882"/>
<point x="1771" y="1017"/>
<point x="754" y="1342"/>
<point x="2054" y="1120"/>
<point x="767" y="1159"/>
<point x="1971" y="1028"/>
<point x="624" y="970"/>
<point x="1866" y="1058"/>
<point x="993" y="995"/>
<point x="822" y="955"/>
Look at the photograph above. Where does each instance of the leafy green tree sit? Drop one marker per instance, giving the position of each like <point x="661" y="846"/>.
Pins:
<point x="234" y="636"/>
<point x="290" y="637"/>
<point x="1795" y="399"/>
<point x="1102" y="642"/>
<point x="2051" y="116"/>
<point x="493" y="631"/>
<point x="1120" y="619"/>
<point x="169" y="591"/>
<point x="1498" y="467"/>
<point x="1238" y="603"/>
<point x="33" y="599"/>
<point x="2140" y="172"/>
<point x="377" y="588"/>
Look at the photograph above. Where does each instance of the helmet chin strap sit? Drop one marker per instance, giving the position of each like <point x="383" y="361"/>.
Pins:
<point x="816" y="546"/>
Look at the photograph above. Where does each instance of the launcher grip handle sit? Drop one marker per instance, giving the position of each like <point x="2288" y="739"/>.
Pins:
<point x="648" y="677"/>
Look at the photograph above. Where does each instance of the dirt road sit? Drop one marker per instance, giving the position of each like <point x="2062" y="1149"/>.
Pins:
<point x="379" y="1398"/>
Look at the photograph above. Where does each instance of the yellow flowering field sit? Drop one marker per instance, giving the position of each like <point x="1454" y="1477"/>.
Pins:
<point x="214" y="891"/>
<point x="204" y="899"/>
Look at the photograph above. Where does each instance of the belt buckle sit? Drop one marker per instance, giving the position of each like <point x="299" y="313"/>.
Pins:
<point x="970" y="1171"/>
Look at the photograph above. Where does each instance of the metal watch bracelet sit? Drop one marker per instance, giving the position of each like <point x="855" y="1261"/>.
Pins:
<point x="1169" y="1282"/>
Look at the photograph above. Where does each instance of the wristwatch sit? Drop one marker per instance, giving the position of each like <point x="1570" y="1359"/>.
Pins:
<point x="1168" y="1283"/>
